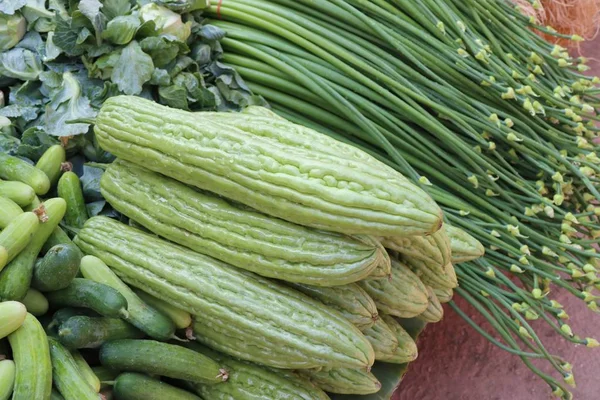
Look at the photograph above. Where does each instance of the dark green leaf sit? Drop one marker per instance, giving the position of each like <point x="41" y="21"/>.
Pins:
<point x="91" y="9"/>
<point x="94" y="208"/>
<point x="9" y="144"/>
<point x="133" y="69"/>
<point x="147" y="29"/>
<point x="115" y="8"/>
<point x="162" y="50"/>
<point x="66" y="34"/>
<point x="34" y="143"/>
<point x="28" y="113"/>
<point x="122" y="29"/>
<point x="211" y="32"/>
<point x="90" y="183"/>
<point x="160" y="77"/>
<point x="20" y="64"/>
<point x="174" y="96"/>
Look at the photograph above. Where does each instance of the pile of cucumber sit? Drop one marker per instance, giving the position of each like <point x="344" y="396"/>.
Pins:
<point x="254" y="259"/>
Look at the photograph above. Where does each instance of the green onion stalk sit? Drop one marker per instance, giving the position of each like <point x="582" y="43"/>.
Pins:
<point x="495" y="123"/>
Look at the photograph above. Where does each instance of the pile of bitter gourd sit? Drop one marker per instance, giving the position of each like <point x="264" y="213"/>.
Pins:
<point x="254" y="258"/>
<point x="495" y="123"/>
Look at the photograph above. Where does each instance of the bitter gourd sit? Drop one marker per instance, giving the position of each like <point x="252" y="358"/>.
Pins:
<point x="402" y="295"/>
<point x="235" y="234"/>
<point x="444" y="295"/>
<point x="446" y="279"/>
<point x="434" y="311"/>
<point x="343" y="380"/>
<point x="407" y="348"/>
<point x="434" y="250"/>
<point x="382" y="339"/>
<point x="351" y="300"/>
<point x="269" y="164"/>
<point x="253" y="382"/>
<point x="250" y="317"/>
<point x="464" y="246"/>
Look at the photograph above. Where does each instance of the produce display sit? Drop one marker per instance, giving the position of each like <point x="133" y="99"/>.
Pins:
<point x="245" y="199"/>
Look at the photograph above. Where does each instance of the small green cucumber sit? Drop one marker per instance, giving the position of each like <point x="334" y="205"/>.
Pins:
<point x="58" y="236"/>
<point x="134" y="386"/>
<point x="69" y="188"/>
<point x="55" y="395"/>
<point x="12" y="315"/>
<point x="51" y="162"/>
<point x="89" y="294"/>
<point x="163" y="359"/>
<point x="105" y="375"/>
<point x="36" y="302"/>
<point x="65" y="313"/>
<point x="250" y="381"/>
<point x="343" y="380"/>
<point x="182" y="319"/>
<point x="83" y="332"/>
<point x="57" y="269"/>
<point x="141" y="315"/>
<point x="7" y="378"/>
<point x="435" y="311"/>
<point x="9" y="210"/>
<point x="66" y="376"/>
<point x="3" y="257"/>
<point x="29" y="343"/>
<point x="19" y="192"/>
<point x="382" y="339"/>
<point x="15" y="169"/>
<point x="17" y="235"/>
<point x="86" y="371"/>
<point x="15" y="279"/>
<point x="407" y="348"/>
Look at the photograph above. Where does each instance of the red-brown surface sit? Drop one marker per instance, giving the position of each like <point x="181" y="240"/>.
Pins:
<point x="456" y="363"/>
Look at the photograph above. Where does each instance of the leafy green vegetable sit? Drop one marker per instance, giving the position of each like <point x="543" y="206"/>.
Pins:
<point x="12" y="30"/>
<point x="182" y="6"/>
<point x="167" y="22"/>
<point x="121" y="29"/>
<point x="9" y="7"/>
<point x="133" y="69"/>
<point x="20" y="63"/>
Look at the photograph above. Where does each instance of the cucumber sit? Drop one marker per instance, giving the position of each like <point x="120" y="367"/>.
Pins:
<point x="81" y="332"/>
<point x="58" y="236"/>
<point x="69" y="188"/>
<point x="51" y="162"/>
<point x="57" y="269"/>
<point x="9" y="210"/>
<point x="105" y="375"/>
<point x="182" y="319"/>
<point x="66" y="376"/>
<point x="17" y="235"/>
<point x="15" y="279"/>
<point x="29" y="343"/>
<point x="7" y="378"/>
<point x="64" y="314"/>
<point x="86" y="371"/>
<point x="55" y="395"/>
<point x="89" y="294"/>
<point x="163" y="359"/>
<point x="15" y="169"/>
<point x="3" y="257"/>
<point x="35" y="302"/>
<point x="134" y="386"/>
<point x="19" y="192"/>
<point x="12" y="315"/>
<point x="141" y="315"/>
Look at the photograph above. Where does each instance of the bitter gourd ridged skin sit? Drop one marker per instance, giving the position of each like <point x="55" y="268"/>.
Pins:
<point x="402" y="295"/>
<point x="249" y="311"/>
<point x="351" y="300"/>
<point x="236" y="234"/>
<point x="434" y="250"/>
<point x="407" y="348"/>
<point x="447" y="279"/>
<point x="434" y="311"/>
<point x="382" y="339"/>
<point x="464" y="246"/>
<point x="444" y="295"/>
<point x="268" y="164"/>
<point x="252" y="382"/>
<point x="343" y="380"/>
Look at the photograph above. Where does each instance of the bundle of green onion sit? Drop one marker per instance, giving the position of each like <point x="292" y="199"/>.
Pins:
<point x="460" y="95"/>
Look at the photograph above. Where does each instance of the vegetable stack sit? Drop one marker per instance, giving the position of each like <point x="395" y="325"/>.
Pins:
<point x="255" y="237"/>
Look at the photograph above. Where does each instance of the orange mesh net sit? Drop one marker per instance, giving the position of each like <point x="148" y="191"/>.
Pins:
<point x="581" y="17"/>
